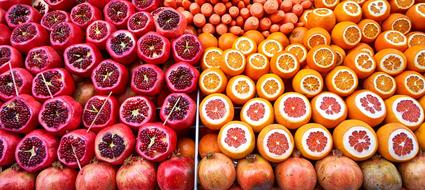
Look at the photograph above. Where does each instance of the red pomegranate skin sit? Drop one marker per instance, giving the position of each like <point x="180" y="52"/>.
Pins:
<point x="176" y="173"/>
<point x="254" y="172"/>
<point x="56" y="178"/>
<point x="15" y="178"/>
<point x="296" y="174"/>
<point x="136" y="173"/>
<point x="96" y="176"/>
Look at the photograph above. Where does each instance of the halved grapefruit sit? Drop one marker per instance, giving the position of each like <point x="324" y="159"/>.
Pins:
<point x="405" y="110"/>
<point x="216" y="110"/>
<point x="397" y="143"/>
<point x="328" y="109"/>
<point x="367" y="106"/>
<point x="313" y="141"/>
<point x="236" y="139"/>
<point x="275" y="143"/>
<point x="258" y="113"/>
<point x="292" y="110"/>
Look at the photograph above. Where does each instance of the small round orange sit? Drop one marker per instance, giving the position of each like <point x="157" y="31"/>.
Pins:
<point x="415" y="39"/>
<point x="321" y="58"/>
<point x="275" y="143"/>
<point x="321" y="17"/>
<point x="254" y="35"/>
<point x="410" y="83"/>
<point x="391" y="39"/>
<point x="292" y="110"/>
<point x="212" y="80"/>
<point x="258" y="113"/>
<point x="299" y="51"/>
<point x="313" y="140"/>
<point x="225" y="41"/>
<point x="370" y="30"/>
<point x="308" y="82"/>
<point x="284" y="64"/>
<point x="216" y="110"/>
<point x="270" y="87"/>
<point x="270" y="47"/>
<point x="208" y="40"/>
<point x="416" y="13"/>
<point x="233" y="62"/>
<point x="340" y="54"/>
<point x="377" y="10"/>
<point x="257" y="65"/>
<point x="399" y="22"/>
<point x="316" y="36"/>
<point x="240" y="89"/>
<point x="346" y="34"/>
<point x="186" y="147"/>
<point x="381" y="83"/>
<point x="208" y="144"/>
<point x="211" y="58"/>
<point x="405" y="110"/>
<point x="280" y="37"/>
<point x="236" y="139"/>
<point x="342" y="81"/>
<point x="348" y="11"/>
<point x="391" y="61"/>
<point x="361" y="62"/>
<point x="415" y="57"/>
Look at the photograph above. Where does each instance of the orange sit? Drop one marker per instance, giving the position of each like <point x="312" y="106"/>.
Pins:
<point x="299" y="51"/>
<point x="232" y="62"/>
<point x="321" y="58"/>
<point x="270" y="47"/>
<point x="254" y="35"/>
<point x="415" y="39"/>
<point x="258" y="113"/>
<point x="313" y="141"/>
<point x="257" y="65"/>
<point x="280" y="37"/>
<point x="342" y="81"/>
<point x="186" y="147"/>
<point x="340" y="54"/>
<point x="226" y="40"/>
<point x="346" y="34"/>
<point x="361" y="62"/>
<point x="377" y="10"/>
<point x="292" y="110"/>
<point x="415" y="56"/>
<point x="420" y="135"/>
<point x="321" y="17"/>
<point x="410" y="83"/>
<point x="316" y="36"/>
<point x="208" y="144"/>
<point x="236" y="139"/>
<point x="416" y="13"/>
<point x="381" y="83"/>
<point x="401" y="5"/>
<point x="304" y="16"/>
<point x="348" y="11"/>
<point x="216" y="110"/>
<point x="270" y="87"/>
<point x="370" y="30"/>
<point x="240" y="89"/>
<point x="275" y="143"/>
<point x="245" y="45"/>
<point x="308" y="82"/>
<point x="284" y="64"/>
<point x="208" y="40"/>
<point x="399" y="22"/>
<point x="211" y="58"/>
<point x="212" y="80"/>
<point x="360" y="2"/>
<point x="391" y="39"/>
<point x="397" y="143"/>
<point x="363" y="47"/>
<point x="367" y="106"/>
<point x="391" y="61"/>
<point x="355" y="139"/>
<point x="330" y="4"/>
<point x="405" y="110"/>
<point x="328" y="109"/>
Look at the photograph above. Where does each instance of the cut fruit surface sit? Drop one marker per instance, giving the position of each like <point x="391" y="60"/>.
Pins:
<point x="292" y="110"/>
<point x="258" y="113"/>
<point x="321" y="17"/>
<point x="415" y="38"/>
<point x="212" y="80"/>
<point x="299" y="51"/>
<point x="398" y="22"/>
<point x="342" y="80"/>
<point x="270" y="87"/>
<point x="313" y="141"/>
<point x="360" y="62"/>
<point x="284" y="64"/>
<point x="328" y="109"/>
<point x="339" y="53"/>
<point x="275" y="143"/>
<point x="308" y="82"/>
<point x="321" y="58"/>
<point x="316" y="36"/>
<point x="381" y="83"/>
<point x="270" y="47"/>
<point x="405" y="110"/>
<point x="215" y="111"/>
<point x="236" y="139"/>
<point x="233" y="62"/>
<point x="410" y="83"/>
<point x="391" y="61"/>
<point x="240" y="89"/>
<point x="397" y="143"/>
<point x="245" y="45"/>
<point x="367" y="106"/>
<point x="211" y="58"/>
<point x="391" y="39"/>
<point x="377" y="10"/>
<point x="415" y="56"/>
<point x="348" y="11"/>
<point x="346" y="34"/>
<point x="370" y="30"/>
<point x="257" y="65"/>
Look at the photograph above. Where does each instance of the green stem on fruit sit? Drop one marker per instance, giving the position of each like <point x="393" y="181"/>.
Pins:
<point x="172" y="110"/>
<point x="100" y="110"/>
<point x="76" y="157"/>
<point x="47" y="85"/>
<point x="13" y="78"/>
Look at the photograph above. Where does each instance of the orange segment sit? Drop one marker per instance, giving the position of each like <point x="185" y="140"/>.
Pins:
<point x="377" y="10"/>
<point x="316" y="36"/>
<point x="269" y="47"/>
<point x="216" y="110"/>
<point x="416" y="39"/>
<point x="415" y="56"/>
<point x="346" y="34"/>
<point x="381" y="83"/>
<point x="391" y="61"/>
<point x="308" y="82"/>
<point x="240" y="89"/>
<point x="284" y="64"/>
<point x="367" y="106"/>
<point x="321" y="58"/>
<point x="397" y="22"/>
<point x="299" y="51"/>
<point x="370" y="30"/>
<point x="292" y="110"/>
<point x="348" y="11"/>
<point x="258" y="113"/>
<point x="321" y="17"/>
<point x="342" y="81"/>
<point x="270" y="87"/>
<point x="405" y="110"/>
<point x="212" y="80"/>
<point x="245" y="45"/>
<point x="211" y="58"/>
<point x="391" y="39"/>
<point x="258" y="65"/>
<point x="328" y="109"/>
<point x="410" y="83"/>
<point x="233" y="62"/>
<point x="361" y="62"/>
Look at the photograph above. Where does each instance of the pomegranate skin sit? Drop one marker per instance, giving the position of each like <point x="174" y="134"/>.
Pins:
<point x="10" y="141"/>
<point x="413" y="173"/>
<point x="136" y="173"/>
<point x="176" y="174"/>
<point x="380" y="174"/>
<point x="96" y="176"/>
<point x="296" y="174"/>
<point x="5" y="34"/>
<point x="56" y="178"/>
<point x="254" y="172"/>
<point x="15" y="178"/>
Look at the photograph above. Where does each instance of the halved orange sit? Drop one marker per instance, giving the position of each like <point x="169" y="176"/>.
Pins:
<point x="416" y="13"/>
<point x="370" y="30"/>
<point x="245" y="45"/>
<point x="314" y="141"/>
<point x="377" y="10"/>
<point x="420" y="135"/>
<point x="367" y="106"/>
<point x="236" y="139"/>
<point x="257" y="65"/>
<point x="299" y="51"/>
<point x="321" y="17"/>
<point x="211" y="58"/>
<point x="240" y="89"/>
<point x="328" y="109"/>
<point x="415" y="56"/>
<point x="280" y="37"/>
<point x="321" y="58"/>
<point x="361" y="62"/>
<point x="212" y="80"/>
<point x="254" y="35"/>
<point x="391" y="39"/>
<point x="391" y="61"/>
<point x="275" y="143"/>
<point x="216" y="110"/>
<point x="233" y="62"/>
<point x="399" y="22"/>
<point x="340" y="54"/>
<point x="348" y="11"/>
<point x="342" y="81"/>
<point x="405" y="110"/>
<point x="346" y="34"/>
<point x="308" y="82"/>
<point x="270" y="47"/>
<point x="258" y="113"/>
<point x="284" y="64"/>
<point x="363" y="47"/>
<point x="401" y="5"/>
<point x="330" y="4"/>
<point x="304" y="16"/>
<point x="415" y="39"/>
<point x="270" y="87"/>
<point x="316" y="36"/>
<point x="292" y="110"/>
<point x="381" y="83"/>
<point x="410" y="83"/>
<point x="397" y="143"/>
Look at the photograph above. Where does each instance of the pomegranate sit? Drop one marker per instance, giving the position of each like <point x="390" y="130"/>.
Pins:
<point x="83" y="92"/>
<point x="380" y="174"/>
<point x="60" y="83"/>
<point x="153" y="48"/>
<point x="56" y="178"/>
<point x="216" y="172"/>
<point x="99" y="112"/>
<point x="8" y="143"/>
<point x="21" y="78"/>
<point x="136" y="111"/>
<point x="136" y="173"/>
<point x="98" y="32"/>
<point x="14" y="178"/>
<point x="19" y="114"/>
<point x="117" y="12"/>
<point x="60" y="4"/>
<point x="77" y="144"/>
<point x="96" y="176"/>
<point x="147" y="6"/>
<point x="178" y="111"/>
<point x="413" y="172"/>
<point x="254" y="172"/>
<point x="42" y="58"/>
<point x="9" y="55"/>
<point x="64" y="34"/>
<point x="187" y="48"/>
<point x="296" y="173"/>
<point x="140" y="23"/>
<point x="147" y="79"/>
<point x="20" y="14"/>
<point x="176" y="173"/>
<point x="54" y="17"/>
<point x="155" y="141"/>
<point x="169" y="22"/>
<point x="81" y="59"/>
<point x="182" y="77"/>
<point x="121" y="46"/>
<point x="109" y="76"/>
<point x="27" y="36"/>
<point x="84" y="14"/>
<point x="5" y="34"/>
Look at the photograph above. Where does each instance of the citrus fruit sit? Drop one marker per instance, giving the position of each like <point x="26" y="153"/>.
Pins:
<point x="401" y="5"/>
<point x="236" y="139"/>
<point x="399" y="22"/>
<point x="363" y="47"/>
<point x="410" y="83"/>
<point x="270" y="87"/>
<point x="415" y="56"/>
<point x="361" y="62"/>
<point x="397" y="143"/>
<point x="416" y="13"/>
<point x="258" y="113"/>
<point x="342" y="81"/>
<point x="304" y="16"/>
<point x="211" y="58"/>
<point x="269" y="47"/>
<point x="257" y="65"/>
<point x="321" y="17"/>
<point x="186" y="147"/>
<point x="381" y="83"/>
<point x="391" y="61"/>
<point x="360" y="2"/>
<point x="240" y="89"/>
<point x="284" y="64"/>
<point x="346" y="34"/>
<point x="208" y="144"/>
<point x="275" y="143"/>
<point x="355" y="139"/>
<point x="292" y="110"/>
<point x="330" y="4"/>
<point x="212" y="80"/>
<point x="308" y="82"/>
<point x="391" y="39"/>
<point x="348" y="11"/>
<point x="415" y="39"/>
<point x="208" y="40"/>
<point x="313" y="141"/>
<point x="254" y="35"/>
<point x="420" y="135"/>
<point x="377" y="10"/>
<point x="233" y="62"/>
<point x="299" y="51"/>
<point x="340" y="54"/>
<point x="215" y="111"/>
<point x="321" y="58"/>
<point x="245" y="45"/>
<point x="280" y="37"/>
<point x="370" y="30"/>
<point x="316" y="36"/>
<point x="405" y="110"/>
<point x="225" y="41"/>
<point x="367" y="106"/>
<point x="328" y="109"/>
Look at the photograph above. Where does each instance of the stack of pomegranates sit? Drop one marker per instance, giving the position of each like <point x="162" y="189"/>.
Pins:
<point x="96" y="94"/>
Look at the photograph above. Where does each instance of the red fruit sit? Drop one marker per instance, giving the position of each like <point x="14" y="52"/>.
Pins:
<point x="117" y="12"/>
<point x="56" y="177"/>
<point x="187" y="48"/>
<point x="254" y="172"/>
<point x="153" y="48"/>
<point x="216" y="171"/>
<point x="8" y="143"/>
<point x="54" y="17"/>
<point x="19" y="115"/>
<point x="83" y="92"/>
<point x="84" y="14"/>
<point x="2" y="15"/>
<point x="140" y="23"/>
<point x="98" y="175"/>
<point x="109" y="76"/>
<point x="155" y="142"/>
<point x="39" y="5"/>
<point x="52" y="83"/>
<point x="136" y="173"/>
<point x="60" y="4"/>
<point x="9" y="55"/>
<point x="121" y="46"/>
<point x="147" y="6"/>
<point x="36" y="151"/>
<point x="183" y="115"/>
<point x="60" y="114"/>
<point x="42" y="58"/>
<point x="169" y="22"/>
<point x="176" y="174"/>
<point x="21" y="77"/>
<point x="17" y="179"/>
<point x="4" y="35"/>
<point x="182" y="77"/>
<point x="81" y="59"/>
<point x="27" y="36"/>
<point x="99" y="3"/>
<point x="136" y="111"/>
<point x="296" y="174"/>
<point x="380" y="174"/>
<point x="79" y="141"/>
<point x="98" y="32"/>
<point x="65" y="34"/>
<point x="5" y="4"/>
<point x="99" y="112"/>
<point x="413" y="173"/>
<point x="147" y="79"/>
<point x="20" y="14"/>
<point x="127" y="94"/>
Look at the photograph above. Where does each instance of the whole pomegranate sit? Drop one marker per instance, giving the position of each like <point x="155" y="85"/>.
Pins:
<point x="380" y="174"/>
<point x="136" y="173"/>
<point x="413" y="172"/>
<point x="56" y="177"/>
<point x="96" y="176"/>
<point x="216" y="171"/>
<point x="15" y="178"/>
<point x="176" y="173"/>
<point x="296" y="174"/>
<point x="254" y="172"/>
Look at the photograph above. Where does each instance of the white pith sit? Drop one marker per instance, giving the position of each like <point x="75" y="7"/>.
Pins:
<point x="412" y="153"/>
<point x="242" y="147"/>
<point x="418" y="10"/>
<point x="251" y="44"/>
<point x="399" y="116"/>
<point x="377" y="114"/>
<point x="364" y="31"/>
<point x="375" y="3"/>
<point x="273" y="155"/>
<point x="204" y="58"/>
<point x="323" y="113"/>
<point x="365" y="153"/>
<point x="328" y="145"/>
<point x="271" y="41"/>
<point x="328" y="12"/>
<point x="397" y="43"/>
<point x="300" y="47"/>
<point x="407" y="20"/>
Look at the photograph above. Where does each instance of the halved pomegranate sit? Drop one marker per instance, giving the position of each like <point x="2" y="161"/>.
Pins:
<point x="8" y="142"/>
<point x="169" y="22"/>
<point x="153" y="48"/>
<point x="109" y="76"/>
<point x="182" y="77"/>
<point x="5" y="34"/>
<point x="65" y="34"/>
<point x="54" y="17"/>
<point x="19" y="114"/>
<point x="84" y="14"/>
<point x="98" y="3"/>
<point x="147" y="6"/>
<point x="42" y="58"/>
<point x="99" y="112"/>
<point x="140" y="23"/>
<point x="27" y="36"/>
<point x="51" y="83"/>
<point x="41" y="6"/>
<point x="81" y="59"/>
<point x="77" y="144"/>
<point x="147" y="79"/>
<point x="117" y="12"/>
<point x="9" y="55"/>
<point x="121" y="46"/>
<point x="21" y="78"/>
<point x="60" y="4"/>
<point x="178" y="111"/>
<point x="98" y="32"/>
<point x="136" y="111"/>
<point x="187" y="48"/>
<point x="20" y="14"/>
<point x="155" y="142"/>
